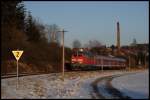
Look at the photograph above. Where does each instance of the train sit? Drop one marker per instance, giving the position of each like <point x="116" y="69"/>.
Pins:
<point x="83" y="59"/>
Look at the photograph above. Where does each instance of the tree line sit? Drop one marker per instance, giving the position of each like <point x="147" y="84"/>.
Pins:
<point x="40" y="43"/>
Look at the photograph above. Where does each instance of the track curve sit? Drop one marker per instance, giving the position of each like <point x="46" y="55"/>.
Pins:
<point x="103" y="88"/>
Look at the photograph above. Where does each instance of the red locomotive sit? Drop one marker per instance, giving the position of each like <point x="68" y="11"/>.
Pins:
<point x="83" y="59"/>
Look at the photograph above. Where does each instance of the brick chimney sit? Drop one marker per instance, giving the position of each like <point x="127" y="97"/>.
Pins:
<point x="118" y="36"/>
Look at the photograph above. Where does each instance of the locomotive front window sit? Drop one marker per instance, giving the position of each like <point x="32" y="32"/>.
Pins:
<point x="80" y="53"/>
<point x="74" y="53"/>
<point x="77" y="53"/>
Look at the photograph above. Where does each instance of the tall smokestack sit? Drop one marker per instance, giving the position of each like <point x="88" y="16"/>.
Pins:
<point x="118" y="36"/>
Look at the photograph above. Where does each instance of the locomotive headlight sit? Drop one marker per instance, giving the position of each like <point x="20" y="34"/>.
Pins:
<point x="81" y="50"/>
<point x="80" y="60"/>
<point x="73" y="59"/>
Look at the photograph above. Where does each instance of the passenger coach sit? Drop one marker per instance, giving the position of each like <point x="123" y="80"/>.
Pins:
<point x="83" y="59"/>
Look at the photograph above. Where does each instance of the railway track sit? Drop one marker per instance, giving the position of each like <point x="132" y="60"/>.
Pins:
<point x="20" y="75"/>
<point x="104" y="90"/>
<point x="11" y="75"/>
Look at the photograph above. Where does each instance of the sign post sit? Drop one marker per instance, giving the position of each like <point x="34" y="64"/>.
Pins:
<point x="102" y="63"/>
<point x="129" y="62"/>
<point x="17" y="55"/>
<point x="63" y="53"/>
<point x="17" y="74"/>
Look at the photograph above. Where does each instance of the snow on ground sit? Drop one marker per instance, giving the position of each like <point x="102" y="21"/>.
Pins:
<point x="133" y="85"/>
<point x="75" y="85"/>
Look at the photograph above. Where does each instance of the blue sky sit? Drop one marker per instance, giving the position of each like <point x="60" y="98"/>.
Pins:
<point x="95" y="20"/>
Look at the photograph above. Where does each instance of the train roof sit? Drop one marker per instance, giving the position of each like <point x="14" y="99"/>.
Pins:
<point x="110" y="58"/>
<point x="78" y="49"/>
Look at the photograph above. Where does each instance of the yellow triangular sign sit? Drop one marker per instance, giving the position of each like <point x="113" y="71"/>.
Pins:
<point x="17" y="54"/>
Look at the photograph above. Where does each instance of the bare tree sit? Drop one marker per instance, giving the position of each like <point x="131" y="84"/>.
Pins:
<point x="52" y="33"/>
<point x="134" y="42"/>
<point x="93" y="43"/>
<point x="76" y="44"/>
